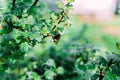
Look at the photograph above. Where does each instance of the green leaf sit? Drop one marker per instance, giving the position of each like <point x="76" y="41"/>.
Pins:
<point x="35" y="36"/>
<point x="15" y="18"/>
<point x="53" y="16"/>
<point x="60" y="70"/>
<point x="49" y="74"/>
<point x="25" y="47"/>
<point x="69" y="1"/>
<point x="35" y="76"/>
<point x="118" y="45"/>
<point x="116" y="69"/>
<point x="29" y="20"/>
<point x="94" y="77"/>
<point x="15" y="34"/>
<point x="60" y="4"/>
<point x="44" y="30"/>
<point x="51" y="63"/>
<point x="103" y="61"/>
<point x="60" y="29"/>
<point x="110" y="76"/>
<point x="69" y="6"/>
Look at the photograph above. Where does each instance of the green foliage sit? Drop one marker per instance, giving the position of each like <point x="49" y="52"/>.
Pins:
<point x="24" y="25"/>
<point x="26" y="54"/>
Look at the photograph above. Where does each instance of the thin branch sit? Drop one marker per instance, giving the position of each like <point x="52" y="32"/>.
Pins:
<point x="48" y="34"/>
<point x="13" y="4"/>
<point x="101" y="77"/>
<point x="59" y="19"/>
<point x="34" y="4"/>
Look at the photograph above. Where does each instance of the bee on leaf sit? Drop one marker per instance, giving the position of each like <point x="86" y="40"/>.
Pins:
<point x="56" y="37"/>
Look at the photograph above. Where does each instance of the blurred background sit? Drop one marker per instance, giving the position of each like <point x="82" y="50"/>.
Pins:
<point x="100" y="16"/>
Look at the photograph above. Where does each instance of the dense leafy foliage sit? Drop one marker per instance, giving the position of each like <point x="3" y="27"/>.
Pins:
<point x="25" y="54"/>
<point x="26" y="23"/>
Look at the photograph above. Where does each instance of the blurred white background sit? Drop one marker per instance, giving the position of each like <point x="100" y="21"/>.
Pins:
<point x="99" y="9"/>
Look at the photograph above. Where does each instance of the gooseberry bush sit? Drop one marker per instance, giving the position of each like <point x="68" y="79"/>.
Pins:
<point x="27" y="27"/>
<point x="26" y="23"/>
